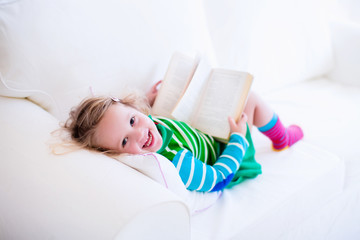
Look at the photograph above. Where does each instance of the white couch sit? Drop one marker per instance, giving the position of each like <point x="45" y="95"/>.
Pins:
<point x="54" y="53"/>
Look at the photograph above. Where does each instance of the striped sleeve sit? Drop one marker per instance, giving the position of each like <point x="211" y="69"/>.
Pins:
<point x="199" y="176"/>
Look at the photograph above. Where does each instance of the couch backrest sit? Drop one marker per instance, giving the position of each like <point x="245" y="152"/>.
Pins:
<point x="280" y="42"/>
<point x="54" y="51"/>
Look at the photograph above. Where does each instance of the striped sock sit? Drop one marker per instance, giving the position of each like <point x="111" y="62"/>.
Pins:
<point x="280" y="136"/>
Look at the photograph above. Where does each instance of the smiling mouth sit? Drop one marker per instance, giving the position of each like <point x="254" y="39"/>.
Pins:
<point x="149" y="140"/>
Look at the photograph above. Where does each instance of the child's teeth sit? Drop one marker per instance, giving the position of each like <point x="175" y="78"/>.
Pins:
<point x="148" y="142"/>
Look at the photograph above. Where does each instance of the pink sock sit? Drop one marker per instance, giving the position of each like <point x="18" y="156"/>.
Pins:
<point x="280" y="136"/>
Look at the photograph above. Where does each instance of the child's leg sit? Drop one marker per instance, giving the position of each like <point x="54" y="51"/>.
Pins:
<point x="268" y="122"/>
<point x="257" y="111"/>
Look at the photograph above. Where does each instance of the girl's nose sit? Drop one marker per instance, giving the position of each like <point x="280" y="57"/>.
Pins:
<point x="139" y="134"/>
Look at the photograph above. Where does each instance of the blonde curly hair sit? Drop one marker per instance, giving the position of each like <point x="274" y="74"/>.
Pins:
<point x="84" y="118"/>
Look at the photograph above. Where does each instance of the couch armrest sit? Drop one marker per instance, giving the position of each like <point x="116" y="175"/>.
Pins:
<point x="346" y="47"/>
<point x="80" y="195"/>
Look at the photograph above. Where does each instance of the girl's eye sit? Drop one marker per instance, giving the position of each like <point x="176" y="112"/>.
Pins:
<point x="132" y="121"/>
<point x="124" y="142"/>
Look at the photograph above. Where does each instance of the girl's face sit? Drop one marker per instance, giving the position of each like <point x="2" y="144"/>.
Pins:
<point x="126" y="130"/>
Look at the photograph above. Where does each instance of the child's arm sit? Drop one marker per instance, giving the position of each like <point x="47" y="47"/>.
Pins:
<point x="152" y="93"/>
<point x="199" y="176"/>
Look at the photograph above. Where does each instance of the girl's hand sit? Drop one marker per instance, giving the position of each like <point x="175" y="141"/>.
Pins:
<point x="239" y="126"/>
<point x="152" y="93"/>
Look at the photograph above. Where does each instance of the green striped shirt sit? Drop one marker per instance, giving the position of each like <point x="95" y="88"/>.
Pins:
<point x="197" y="155"/>
<point x="203" y="147"/>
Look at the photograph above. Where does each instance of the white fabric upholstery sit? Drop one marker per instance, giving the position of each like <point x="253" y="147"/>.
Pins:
<point x="346" y="43"/>
<point x="293" y="185"/>
<point x="279" y="42"/>
<point x="54" y="53"/>
<point x="62" y="48"/>
<point x="163" y="171"/>
<point x="80" y="195"/>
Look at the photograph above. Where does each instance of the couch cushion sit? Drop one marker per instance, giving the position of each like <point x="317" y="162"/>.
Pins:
<point x="294" y="184"/>
<point x="163" y="171"/>
<point x="54" y="51"/>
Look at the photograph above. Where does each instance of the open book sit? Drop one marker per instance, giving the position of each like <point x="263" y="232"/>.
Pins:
<point x="202" y="96"/>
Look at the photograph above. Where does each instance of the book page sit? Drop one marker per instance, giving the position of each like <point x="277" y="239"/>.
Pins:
<point x="225" y="95"/>
<point x="180" y="71"/>
<point x="186" y="107"/>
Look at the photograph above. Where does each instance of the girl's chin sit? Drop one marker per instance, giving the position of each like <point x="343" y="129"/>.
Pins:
<point x="156" y="147"/>
<point x="152" y="149"/>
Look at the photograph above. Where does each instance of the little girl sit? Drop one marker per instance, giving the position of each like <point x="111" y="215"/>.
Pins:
<point x="116" y="126"/>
